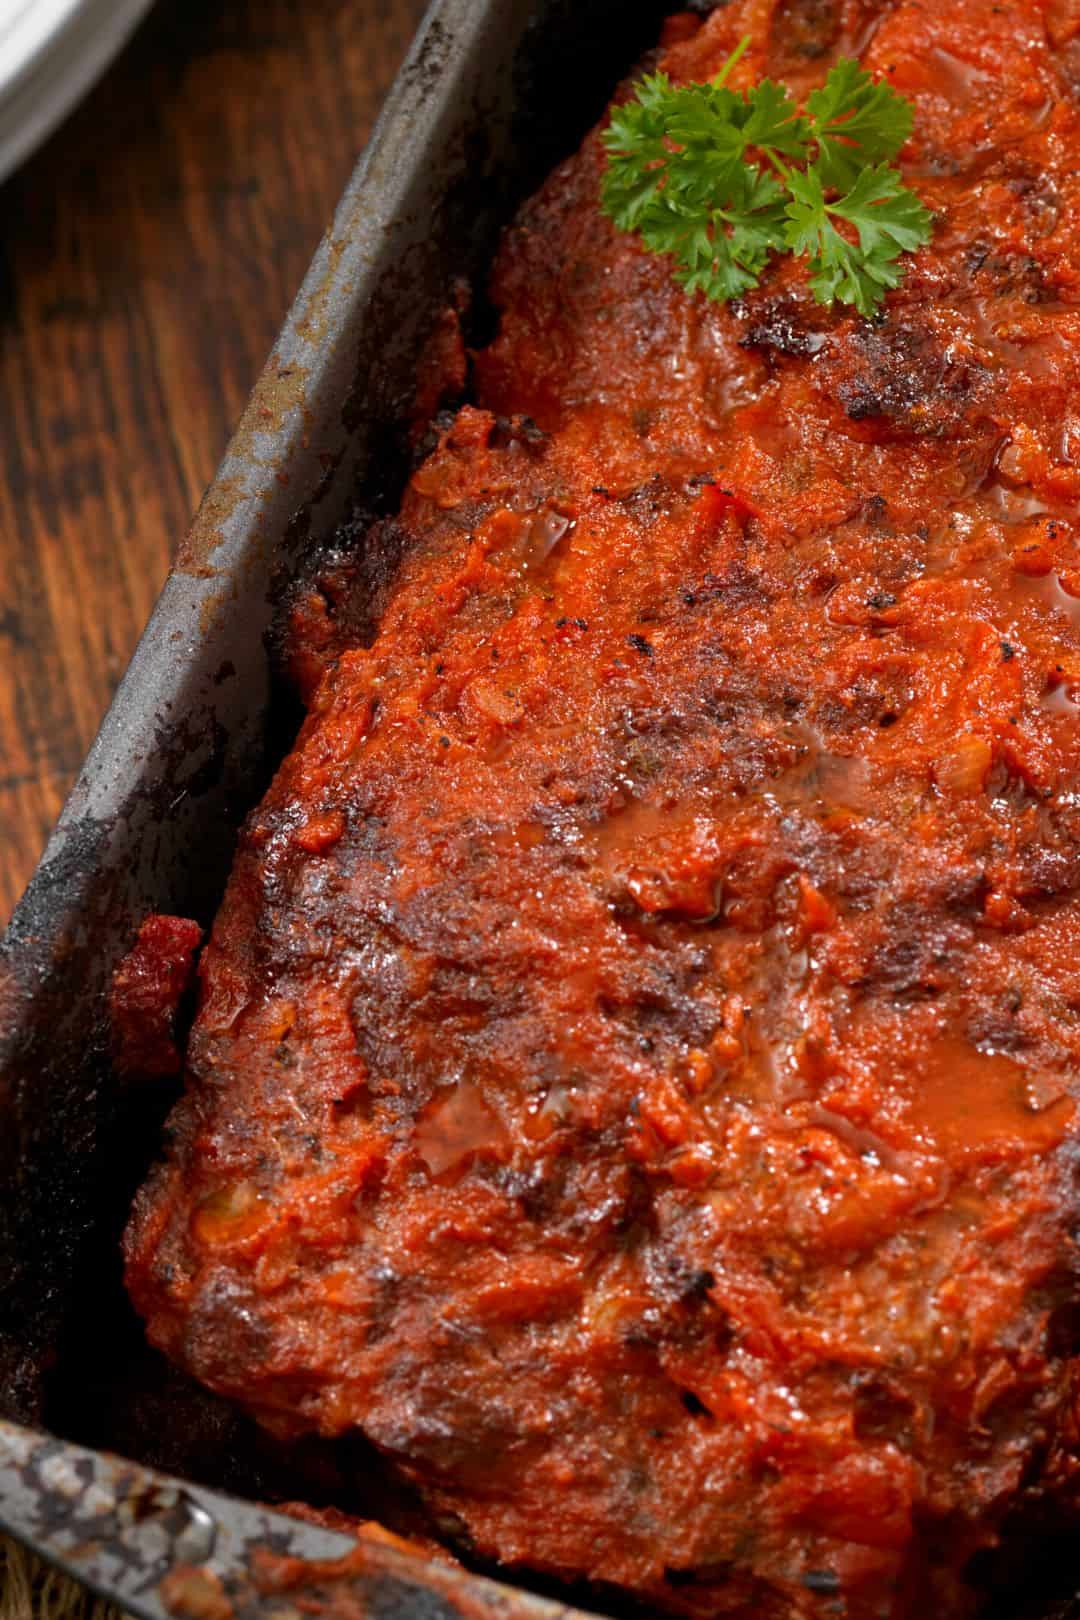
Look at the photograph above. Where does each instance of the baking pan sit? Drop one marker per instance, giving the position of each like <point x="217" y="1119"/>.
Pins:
<point x="492" y="94"/>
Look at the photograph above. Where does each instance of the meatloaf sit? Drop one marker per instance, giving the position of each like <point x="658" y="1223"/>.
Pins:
<point x="636" y="1068"/>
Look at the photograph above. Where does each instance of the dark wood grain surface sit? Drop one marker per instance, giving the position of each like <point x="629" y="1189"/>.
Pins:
<point x="147" y="256"/>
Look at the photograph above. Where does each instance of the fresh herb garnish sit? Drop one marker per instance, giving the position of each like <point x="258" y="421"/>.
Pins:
<point x="719" y="179"/>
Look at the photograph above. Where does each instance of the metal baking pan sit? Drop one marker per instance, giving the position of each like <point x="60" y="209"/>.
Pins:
<point x="492" y="94"/>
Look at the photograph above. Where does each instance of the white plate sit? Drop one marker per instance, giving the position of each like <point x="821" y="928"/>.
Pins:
<point x="26" y="29"/>
<point x="51" y="52"/>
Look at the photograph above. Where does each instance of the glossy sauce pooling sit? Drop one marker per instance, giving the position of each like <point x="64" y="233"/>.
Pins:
<point x="636" y="1072"/>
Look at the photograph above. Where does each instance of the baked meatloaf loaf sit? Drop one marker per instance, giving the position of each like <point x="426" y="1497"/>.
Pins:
<point x="634" y="1079"/>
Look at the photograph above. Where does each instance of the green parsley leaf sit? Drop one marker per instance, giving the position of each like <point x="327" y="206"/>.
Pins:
<point x="692" y="141"/>
<point x="637" y="141"/>
<point x="884" y="211"/>
<point x="887" y="218"/>
<point x="724" y="255"/>
<point x="718" y="179"/>
<point x="774" y="125"/>
<point x="855" y="121"/>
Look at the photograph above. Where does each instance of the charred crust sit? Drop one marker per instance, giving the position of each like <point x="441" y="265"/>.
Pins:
<point x="905" y="376"/>
<point x="808" y="28"/>
<point x="783" y="326"/>
<point x="429" y="440"/>
<point x="336" y="599"/>
<point x="1008" y="275"/>
<point x="518" y="432"/>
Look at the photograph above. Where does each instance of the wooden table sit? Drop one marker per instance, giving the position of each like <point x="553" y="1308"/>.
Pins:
<point x="147" y="257"/>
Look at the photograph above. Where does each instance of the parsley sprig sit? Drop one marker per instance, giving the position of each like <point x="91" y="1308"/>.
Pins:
<point x="719" y="179"/>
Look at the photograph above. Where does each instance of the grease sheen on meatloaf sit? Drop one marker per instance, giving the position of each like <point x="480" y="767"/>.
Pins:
<point x="635" y="1073"/>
